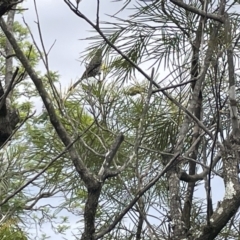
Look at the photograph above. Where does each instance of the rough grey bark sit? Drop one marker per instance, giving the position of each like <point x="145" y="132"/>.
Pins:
<point x="90" y="212"/>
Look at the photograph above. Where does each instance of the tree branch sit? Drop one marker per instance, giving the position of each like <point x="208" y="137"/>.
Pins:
<point x="202" y="13"/>
<point x="85" y="174"/>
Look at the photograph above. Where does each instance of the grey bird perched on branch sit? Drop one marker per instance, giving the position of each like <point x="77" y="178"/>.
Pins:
<point x="93" y="68"/>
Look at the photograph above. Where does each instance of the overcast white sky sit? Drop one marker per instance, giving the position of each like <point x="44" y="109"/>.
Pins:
<point x="60" y="24"/>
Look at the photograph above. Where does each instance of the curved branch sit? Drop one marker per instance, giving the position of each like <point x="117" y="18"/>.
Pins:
<point x="82" y="170"/>
<point x="200" y="12"/>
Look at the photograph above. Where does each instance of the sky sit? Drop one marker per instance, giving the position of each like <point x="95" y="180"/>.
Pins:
<point x="59" y="23"/>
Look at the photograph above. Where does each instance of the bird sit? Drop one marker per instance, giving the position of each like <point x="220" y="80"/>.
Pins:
<point x="92" y="69"/>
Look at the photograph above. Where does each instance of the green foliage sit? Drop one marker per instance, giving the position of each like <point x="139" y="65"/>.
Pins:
<point x="94" y="114"/>
<point x="10" y="231"/>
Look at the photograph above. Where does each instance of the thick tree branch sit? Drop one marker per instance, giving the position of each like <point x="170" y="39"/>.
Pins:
<point x="222" y="214"/>
<point x="195" y="66"/>
<point x="87" y="177"/>
<point x="104" y="171"/>
<point x="200" y="12"/>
